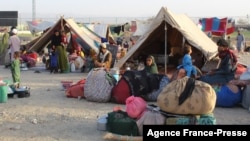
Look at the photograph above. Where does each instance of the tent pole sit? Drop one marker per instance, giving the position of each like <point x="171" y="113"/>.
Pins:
<point x="62" y="27"/>
<point x="225" y="33"/>
<point x="166" y="58"/>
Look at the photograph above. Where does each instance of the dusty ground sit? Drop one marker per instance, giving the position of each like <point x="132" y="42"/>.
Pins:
<point x="48" y="115"/>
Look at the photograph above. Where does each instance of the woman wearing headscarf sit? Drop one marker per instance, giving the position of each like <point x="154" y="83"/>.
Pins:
<point x="56" y="42"/>
<point x="151" y="66"/>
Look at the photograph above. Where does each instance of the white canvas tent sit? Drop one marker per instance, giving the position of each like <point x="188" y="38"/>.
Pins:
<point x="179" y="27"/>
<point x="87" y="38"/>
<point x="141" y="28"/>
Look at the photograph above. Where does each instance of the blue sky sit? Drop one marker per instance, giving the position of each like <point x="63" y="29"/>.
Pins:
<point x="126" y="8"/>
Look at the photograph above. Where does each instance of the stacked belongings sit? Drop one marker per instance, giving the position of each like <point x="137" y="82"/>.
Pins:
<point x="241" y="95"/>
<point x="128" y="125"/>
<point x="20" y="92"/>
<point x="192" y="103"/>
<point x="122" y="124"/>
<point x="138" y="83"/>
<point x="14" y="90"/>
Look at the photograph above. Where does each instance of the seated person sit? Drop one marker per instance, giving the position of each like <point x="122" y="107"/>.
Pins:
<point x="104" y="57"/>
<point x="187" y="62"/>
<point x="79" y="52"/>
<point x="72" y="56"/>
<point x="123" y="53"/>
<point x="151" y="66"/>
<point x="227" y="67"/>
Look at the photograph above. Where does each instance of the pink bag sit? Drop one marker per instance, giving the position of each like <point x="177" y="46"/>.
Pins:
<point x="135" y="106"/>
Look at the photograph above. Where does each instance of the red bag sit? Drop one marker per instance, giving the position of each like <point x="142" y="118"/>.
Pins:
<point x="240" y="69"/>
<point x="120" y="92"/>
<point x="33" y="55"/>
<point x="76" y="90"/>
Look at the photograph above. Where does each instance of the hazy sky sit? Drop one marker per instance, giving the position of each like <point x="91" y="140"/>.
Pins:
<point x="126" y="8"/>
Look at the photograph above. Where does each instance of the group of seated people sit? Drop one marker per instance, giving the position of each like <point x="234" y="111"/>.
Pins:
<point x="222" y="78"/>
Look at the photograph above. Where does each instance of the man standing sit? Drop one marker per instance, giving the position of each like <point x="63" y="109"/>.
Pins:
<point x="240" y="44"/>
<point x="14" y="43"/>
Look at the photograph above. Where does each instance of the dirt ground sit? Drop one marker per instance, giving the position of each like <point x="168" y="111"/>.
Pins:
<point x="48" y="115"/>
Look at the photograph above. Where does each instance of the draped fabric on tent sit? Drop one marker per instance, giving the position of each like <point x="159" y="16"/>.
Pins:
<point x="103" y="30"/>
<point x="133" y="26"/>
<point x="85" y="37"/>
<point x="179" y="27"/>
<point x="39" y="26"/>
<point x="218" y="26"/>
<point x="141" y="28"/>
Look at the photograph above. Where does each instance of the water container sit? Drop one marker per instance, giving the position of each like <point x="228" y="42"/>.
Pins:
<point x="72" y="67"/>
<point x="3" y="93"/>
<point x="116" y="76"/>
<point x="115" y="72"/>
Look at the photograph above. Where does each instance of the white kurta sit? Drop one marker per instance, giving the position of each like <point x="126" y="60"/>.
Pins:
<point x="15" y="44"/>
